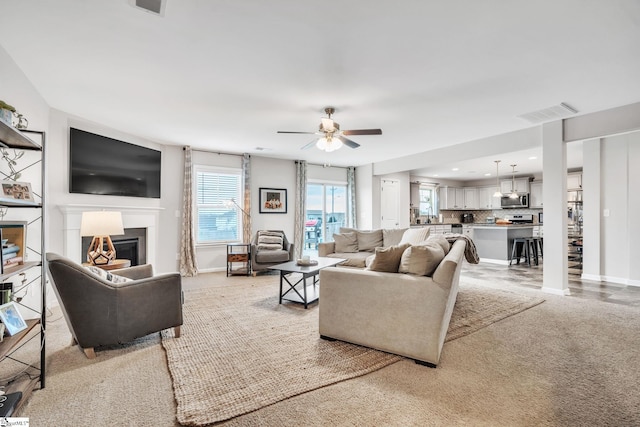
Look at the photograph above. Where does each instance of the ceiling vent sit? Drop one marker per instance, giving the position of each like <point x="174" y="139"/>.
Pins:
<point x="549" y="114"/>
<point x="152" y="6"/>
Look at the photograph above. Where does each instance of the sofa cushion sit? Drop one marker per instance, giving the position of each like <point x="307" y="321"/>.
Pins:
<point x="346" y="242"/>
<point x="392" y="236"/>
<point x="369" y="240"/>
<point x="351" y="259"/>
<point x="440" y="240"/>
<point x="107" y="275"/>
<point x="271" y="256"/>
<point x="414" y="236"/>
<point x="421" y="260"/>
<point x="388" y="259"/>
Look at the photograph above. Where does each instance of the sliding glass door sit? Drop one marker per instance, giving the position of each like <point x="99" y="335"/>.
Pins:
<point x="326" y="213"/>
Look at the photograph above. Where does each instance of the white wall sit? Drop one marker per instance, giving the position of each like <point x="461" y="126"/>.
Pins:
<point x="17" y="90"/>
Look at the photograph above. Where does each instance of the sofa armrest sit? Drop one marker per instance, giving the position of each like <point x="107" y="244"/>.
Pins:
<point x="135" y="272"/>
<point x="326" y="248"/>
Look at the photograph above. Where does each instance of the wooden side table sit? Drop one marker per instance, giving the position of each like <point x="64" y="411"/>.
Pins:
<point x="114" y="265"/>
<point x="239" y="253"/>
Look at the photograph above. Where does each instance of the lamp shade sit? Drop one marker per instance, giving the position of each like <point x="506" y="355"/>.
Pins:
<point x="101" y="223"/>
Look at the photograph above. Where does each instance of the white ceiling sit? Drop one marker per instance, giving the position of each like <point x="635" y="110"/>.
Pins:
<point x="226" y="75"/>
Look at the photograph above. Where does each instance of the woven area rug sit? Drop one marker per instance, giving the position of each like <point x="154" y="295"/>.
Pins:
<point x="240" y="350"/>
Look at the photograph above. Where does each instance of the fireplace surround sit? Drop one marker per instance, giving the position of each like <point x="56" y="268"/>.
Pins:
<point x="133" y="217"/>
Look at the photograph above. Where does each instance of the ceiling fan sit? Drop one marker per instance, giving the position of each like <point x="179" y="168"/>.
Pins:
<point x="332" y="137"/>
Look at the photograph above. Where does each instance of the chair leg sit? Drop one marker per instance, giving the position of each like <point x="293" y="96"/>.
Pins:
<point x="176" y="331"/>
<point x="89" y="352"/>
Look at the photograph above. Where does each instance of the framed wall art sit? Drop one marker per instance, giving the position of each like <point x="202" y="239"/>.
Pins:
<point x="273" y="200"/>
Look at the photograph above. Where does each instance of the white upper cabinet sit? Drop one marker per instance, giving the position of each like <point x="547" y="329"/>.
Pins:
<point x="522" y="185"/>
<point x="574" y="181"/>
<point x="470" y="198"/>
<point x="535" y="198"/>
<point x="451" y="198"/>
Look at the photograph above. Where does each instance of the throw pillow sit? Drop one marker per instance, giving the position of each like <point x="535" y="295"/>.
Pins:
<point x="369" y="240"/>
<point x="442" y="241"/>
<point x="388" y="259"/>
<point x="270" y="240"/>
<point x="106" y="275"/>
<point x="421" y="260"/>
<point x="392" y="236"/>
<point x="414" y="236"/>
<point x="346" y="242"/>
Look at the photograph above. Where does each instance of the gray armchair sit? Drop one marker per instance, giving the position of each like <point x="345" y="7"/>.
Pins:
<point x="100" y="312"/>
<point x="263" y="258"/>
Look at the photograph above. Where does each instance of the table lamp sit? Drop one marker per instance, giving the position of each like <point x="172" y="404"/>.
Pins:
<point x="100" y="225"/>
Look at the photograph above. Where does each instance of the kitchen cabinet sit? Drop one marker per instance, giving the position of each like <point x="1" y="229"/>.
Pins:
<point x="521" y="184"/>
<point x="467" y="230"/>
<point x="574" y="181"/>
<point x="470" y="198"/>
<point x="535" y="197"/>
<point x="451" y="198"/>
<point x="486" y="199"/>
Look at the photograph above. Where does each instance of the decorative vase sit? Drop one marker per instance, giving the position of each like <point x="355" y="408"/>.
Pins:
<point x="6" y="116"/>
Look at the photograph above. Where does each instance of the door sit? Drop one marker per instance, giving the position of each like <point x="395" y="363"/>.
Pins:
<point x="326" y="212"/>
<point x="390" y="200"/>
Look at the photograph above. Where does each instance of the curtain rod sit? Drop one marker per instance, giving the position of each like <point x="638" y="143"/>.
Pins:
<point x="215" y="152"/>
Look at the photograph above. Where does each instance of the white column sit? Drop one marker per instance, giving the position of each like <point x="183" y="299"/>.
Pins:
<point x="591" y="173"/>
<point x="554" y="189"/>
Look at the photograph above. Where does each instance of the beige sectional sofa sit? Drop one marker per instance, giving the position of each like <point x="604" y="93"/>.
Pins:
<point x="405" y="314"/>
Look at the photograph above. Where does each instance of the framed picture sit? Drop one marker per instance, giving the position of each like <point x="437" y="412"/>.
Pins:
<point x="11" y="318"/>
<point x="16" y="192"/>
<point x="273" y="200"/>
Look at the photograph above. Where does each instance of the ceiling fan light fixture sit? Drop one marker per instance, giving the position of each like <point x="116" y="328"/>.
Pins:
<point x="329" y="144"/>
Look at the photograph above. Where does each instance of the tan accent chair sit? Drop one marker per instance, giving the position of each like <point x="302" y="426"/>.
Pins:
<point x="263" y="259"/>
<point x="99" y="312"/>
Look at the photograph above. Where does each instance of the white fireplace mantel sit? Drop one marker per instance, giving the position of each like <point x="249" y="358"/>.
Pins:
<point x="132" y="217"/>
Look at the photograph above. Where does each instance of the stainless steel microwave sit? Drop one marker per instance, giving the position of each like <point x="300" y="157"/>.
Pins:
<point x="522" y="201"/>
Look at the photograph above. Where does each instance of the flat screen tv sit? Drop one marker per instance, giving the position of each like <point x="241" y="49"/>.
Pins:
<point x="101" y="165"/>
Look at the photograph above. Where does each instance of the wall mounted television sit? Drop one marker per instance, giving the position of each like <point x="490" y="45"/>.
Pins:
<point x="107" y="166"/>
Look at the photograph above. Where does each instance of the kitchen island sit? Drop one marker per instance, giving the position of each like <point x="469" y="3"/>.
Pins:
<point x="493" y="241"/>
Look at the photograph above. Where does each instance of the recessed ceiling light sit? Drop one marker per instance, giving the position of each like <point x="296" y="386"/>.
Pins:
<point x="532" y="158"/>
<point x="436" y="175"/>
<point x="487" y="174"/>
<point x="455" y="169"/>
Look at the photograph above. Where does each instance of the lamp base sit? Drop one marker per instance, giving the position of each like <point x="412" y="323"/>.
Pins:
<point x="97" y="255"/>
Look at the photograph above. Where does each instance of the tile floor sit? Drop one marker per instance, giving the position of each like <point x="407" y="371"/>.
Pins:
<point x="531" y="277"/>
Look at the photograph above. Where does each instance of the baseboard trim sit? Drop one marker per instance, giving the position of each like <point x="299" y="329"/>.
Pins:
<point x="594" y="277"/>
<point x="494" y="261"/>
<point x="554" y="291"/>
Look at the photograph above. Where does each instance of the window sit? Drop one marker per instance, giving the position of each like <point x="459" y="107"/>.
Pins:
<point x="427" y="200"/>
<point x="216" y="220"/>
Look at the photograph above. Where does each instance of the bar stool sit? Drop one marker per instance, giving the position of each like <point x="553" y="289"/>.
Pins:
<point x="527" y="248"/>
<point x="537" y="245"/>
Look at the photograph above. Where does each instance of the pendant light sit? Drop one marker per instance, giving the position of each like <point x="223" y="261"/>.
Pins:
<point x="498" y="193"/>
<point x="513" y="194"/>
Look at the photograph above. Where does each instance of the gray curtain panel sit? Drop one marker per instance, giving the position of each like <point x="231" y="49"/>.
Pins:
<point x="301" y="208"/>
<point x="188" y="262"/>
<point x="351" y="197"/>
<point x="246" y="177"/>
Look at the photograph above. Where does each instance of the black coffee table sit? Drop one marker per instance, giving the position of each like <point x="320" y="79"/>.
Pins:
<point x="300" y="291"/>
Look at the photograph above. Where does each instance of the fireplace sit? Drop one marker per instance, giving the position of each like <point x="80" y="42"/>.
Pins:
<point x="131" y="245"/>
<point x="139" y="222"/>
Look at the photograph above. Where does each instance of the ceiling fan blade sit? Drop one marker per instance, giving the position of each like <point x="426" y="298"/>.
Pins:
<point x="348" y="142"/>
<point x="327" y="125"/>
<point x="362" y="132"/>
<point x="309" y="145"/>
<point x="286" y="131"/>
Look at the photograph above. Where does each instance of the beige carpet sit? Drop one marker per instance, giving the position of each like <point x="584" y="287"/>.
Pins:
<point x="241" y="351"/>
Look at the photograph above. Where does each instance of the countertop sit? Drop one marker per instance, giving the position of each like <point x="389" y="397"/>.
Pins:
<point x="478" y="225"/>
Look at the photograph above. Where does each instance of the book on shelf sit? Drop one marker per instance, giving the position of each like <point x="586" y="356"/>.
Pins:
<point x="6" y="250"/>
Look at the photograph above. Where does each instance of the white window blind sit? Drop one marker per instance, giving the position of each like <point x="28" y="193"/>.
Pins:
<point x="216" y="220"/>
